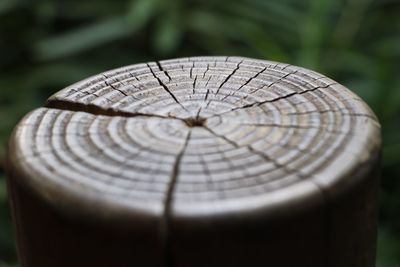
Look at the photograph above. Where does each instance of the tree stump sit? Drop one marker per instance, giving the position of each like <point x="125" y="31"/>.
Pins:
<point x="205" y="161"/>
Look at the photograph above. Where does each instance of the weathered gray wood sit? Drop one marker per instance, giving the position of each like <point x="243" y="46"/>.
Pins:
<point x="208" y="161"/>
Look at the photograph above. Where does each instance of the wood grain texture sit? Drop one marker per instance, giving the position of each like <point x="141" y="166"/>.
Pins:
<point x="211" y="161"/>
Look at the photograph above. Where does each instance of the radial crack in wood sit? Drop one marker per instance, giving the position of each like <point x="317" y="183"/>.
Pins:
<point x="165" y="231"/>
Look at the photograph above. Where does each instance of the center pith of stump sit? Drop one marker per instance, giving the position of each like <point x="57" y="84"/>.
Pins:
<point x="195" y="122"/>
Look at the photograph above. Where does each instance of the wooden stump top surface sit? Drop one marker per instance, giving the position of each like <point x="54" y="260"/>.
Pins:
<point x="196" y="138"/>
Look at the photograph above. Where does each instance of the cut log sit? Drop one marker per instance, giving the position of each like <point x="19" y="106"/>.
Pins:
<point x="205" y="161"/>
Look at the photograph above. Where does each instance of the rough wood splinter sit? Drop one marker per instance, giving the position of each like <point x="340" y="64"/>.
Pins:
<point x="205" y="161"/>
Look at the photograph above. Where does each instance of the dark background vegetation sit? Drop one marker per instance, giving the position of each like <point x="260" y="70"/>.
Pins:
<point x="46" y="45"/>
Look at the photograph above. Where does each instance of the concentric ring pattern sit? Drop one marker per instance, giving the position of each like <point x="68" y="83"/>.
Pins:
<point x="197" y="136"/>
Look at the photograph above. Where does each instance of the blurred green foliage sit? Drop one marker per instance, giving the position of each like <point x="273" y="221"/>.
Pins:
<point x="46" y="45"/>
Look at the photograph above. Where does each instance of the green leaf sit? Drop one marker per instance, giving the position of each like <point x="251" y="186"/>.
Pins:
<point x="168" y="33"/>
<point x="8" y="5"/>
<point x="313" y="32"/>
<point x="140" y="12"/>
<point x="388" y="47"/>
<point x="388" y="249"/>
<point x="82" y="39"/>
